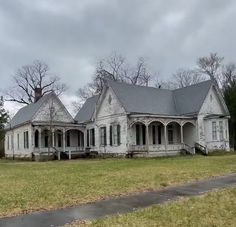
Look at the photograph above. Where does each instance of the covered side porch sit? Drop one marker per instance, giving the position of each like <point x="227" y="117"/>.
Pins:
<point x="155" y="134"/>
<point x="63" y="139"/>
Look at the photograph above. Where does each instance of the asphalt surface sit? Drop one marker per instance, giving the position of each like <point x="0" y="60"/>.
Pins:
<point x="117" y="205"/>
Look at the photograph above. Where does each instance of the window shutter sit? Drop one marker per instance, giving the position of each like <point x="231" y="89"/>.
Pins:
<point x="87" y="138"/>
<point x="105" y="136"/>
<point x="93" y="136"/>
<point x="137" y="135"/>
<point x="110" y="135"/>
<point x="118" y="134"/>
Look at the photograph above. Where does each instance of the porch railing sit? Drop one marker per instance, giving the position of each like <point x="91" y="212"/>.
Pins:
<point x="154" y="147"/>
<point x="202" y="148"/>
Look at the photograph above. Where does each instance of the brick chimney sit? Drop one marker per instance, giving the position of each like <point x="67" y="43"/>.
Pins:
<point x="37" y="94"/>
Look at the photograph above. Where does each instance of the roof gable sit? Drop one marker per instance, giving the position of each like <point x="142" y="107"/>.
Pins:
<point x="189" y="100"/>
<point x="59" y="113"/>
<point x="29" y="112"/>
<point x="25" y="114"/>
<point x="86" y="112"/>
<point x="213" y="104"/>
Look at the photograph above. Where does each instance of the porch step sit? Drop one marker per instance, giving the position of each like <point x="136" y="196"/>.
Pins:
<point x="201" y="149"/>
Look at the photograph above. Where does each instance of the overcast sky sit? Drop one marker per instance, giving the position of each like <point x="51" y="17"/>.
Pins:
<point x="71" y="35"/>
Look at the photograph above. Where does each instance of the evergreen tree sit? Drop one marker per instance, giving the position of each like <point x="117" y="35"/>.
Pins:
<point x="3" y="121"/>
<point x="230" y="99"/>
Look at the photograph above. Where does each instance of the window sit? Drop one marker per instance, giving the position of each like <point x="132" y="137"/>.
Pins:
<point x="170" y="134"/>
<point x="226" y="130"/>
<point x="214" y="132"/>
<point x="36" y="138"/>
<point x="144" y="134"/>
<point x="18" y="141"/>
<point x="159" y="134"/>
<point x="46" y="139"/>
<point x="88" y="138"/>
<point x="26" y="139"/>
<point x="114" y="135"/>
<point x="8" y="143"/>
<point x="137" y="135"/>
<point x="153" y="134"/>
<point x="12" y="142"/>
<point x="221" y="130"/>
<point x="68" y="139"/>
<point x="59" y="139"/>
<point x="92" y="137"/>
<point x="80" y="139"/>
<point x="103" y="137"/>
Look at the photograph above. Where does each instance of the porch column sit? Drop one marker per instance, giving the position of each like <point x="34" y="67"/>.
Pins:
<point x="181" y="134"/>
<point x="165" y="137"/>
<point x="147" y="138"/>
<point x="53" y="137"/>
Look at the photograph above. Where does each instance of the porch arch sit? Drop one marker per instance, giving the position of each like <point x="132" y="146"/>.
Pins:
<point x="190" y="122"/>
<point x="137" y="122"/>
<point x="174" y="133"/>
<point x="189" y="133"/>
<point x="156" y="133"/>
<point x="74" y="138"/>
<point x="138" y="130"/>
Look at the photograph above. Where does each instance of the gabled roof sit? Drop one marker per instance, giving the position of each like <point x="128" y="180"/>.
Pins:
<point x="26" y="113"/>
<point x="136" y="99"/>
<point x="140" y="99"/>
<point x="189" y="100"/>
<point x="86" y="112"/>
<point x="149" y="100"/>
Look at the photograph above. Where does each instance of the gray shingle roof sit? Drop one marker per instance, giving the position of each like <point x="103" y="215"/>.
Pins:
<point x="189" y="100"/>
<point x="150" y="100"/>
<point x="86" y="112"/>
<point x="26" y="113"/>
<point x="140" y="99"/>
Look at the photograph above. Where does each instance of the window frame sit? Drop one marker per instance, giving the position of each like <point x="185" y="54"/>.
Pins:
<point x="221" y="131"/>
<point x="103" y="137"/>
<point x="114" y="133"/>
<point x="214" y="131"/>
<point x="26" y="139"/>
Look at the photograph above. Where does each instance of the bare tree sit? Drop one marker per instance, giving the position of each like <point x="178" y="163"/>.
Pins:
<point x="140" y="75"/>
<point x="30" y="77"/>
<point x="229" y="75"/>
<point x="114" y="68"/>
<point x="211" y="66"/>
<point x="186" y="77"/>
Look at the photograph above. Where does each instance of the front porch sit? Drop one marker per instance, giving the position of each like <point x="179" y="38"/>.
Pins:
<point x="58" y="140"/>
<point x="158" y="135"/>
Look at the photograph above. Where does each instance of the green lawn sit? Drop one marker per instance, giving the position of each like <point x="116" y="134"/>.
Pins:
<point x="216" y="209"/>
<point x="27" y="186"/>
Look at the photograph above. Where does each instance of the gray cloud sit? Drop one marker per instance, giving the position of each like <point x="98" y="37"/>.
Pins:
<point x="72" y="35"/>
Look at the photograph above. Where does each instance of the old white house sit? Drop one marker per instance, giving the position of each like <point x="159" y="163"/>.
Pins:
<point x="124" y="119"/>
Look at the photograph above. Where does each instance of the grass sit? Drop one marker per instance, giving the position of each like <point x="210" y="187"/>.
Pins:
<point x="216" y="209"/>
<point x="30" y="186"/>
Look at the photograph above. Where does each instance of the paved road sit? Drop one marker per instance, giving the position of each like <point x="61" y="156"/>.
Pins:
<point x="119" y="205"/>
